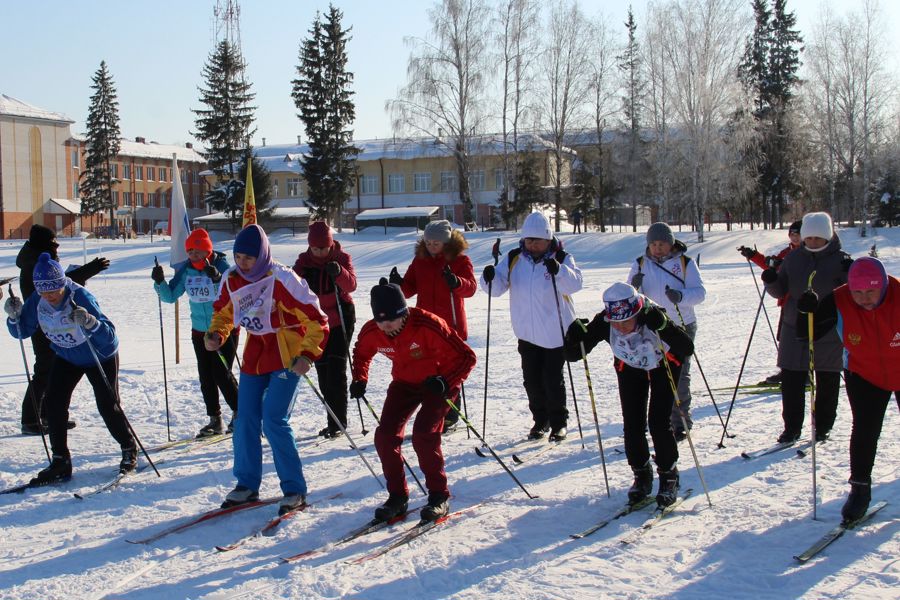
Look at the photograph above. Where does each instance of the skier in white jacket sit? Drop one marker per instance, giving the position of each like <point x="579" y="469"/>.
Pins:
<point x="529" y="273"/>
<point x="666" y="275"/>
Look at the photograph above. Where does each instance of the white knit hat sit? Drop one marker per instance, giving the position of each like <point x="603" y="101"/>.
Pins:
<point x="817" y="224"/>
<point x="536" y="225"/>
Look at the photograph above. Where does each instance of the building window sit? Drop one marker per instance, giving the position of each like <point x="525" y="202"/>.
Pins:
<point x="396" y="183"/>
<point x="75" y="190"/>
<point x="126" y="171"/>
<point x="114" y="170"/>
<point x="162" y="174"/>
<point x="499" y="179"/>
<point x="184" y="177"/>
<point x="140" y="199"/>
<point x="115" y="197"/>
<point x="448" y="182"/>
<point x="476" y="180"/>
<point x="75" y="158"/>
<point x="368" y="184"/>
<point x="126" y="198"/>
<point x="422" y="182"/>
<point x="196" y="175"/>
<point x="151" y="173"/>
<point x="293" y="187"/>
<point x="139" y="173"/>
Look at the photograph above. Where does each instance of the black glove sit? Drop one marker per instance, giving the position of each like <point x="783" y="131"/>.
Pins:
<point x="652" y="318"/>
<point x="489" y="272"/>
<point x="674" y="296"/>
<point x="98" y="264"/>
<point x="552" y="266"/>
<point x="637" y="280"/>
<point x="577" y="332"/>
<point x="770" y="275"/>
<point x="746" y="252"/>
<point x="333" y="269"/>
<point x="357" y="389"/>
<point x="846" y="263"/>
<point x="435" y="385"/>
<point x="395" y="277"/>
<point x="773" y="262"/>
<point x="212" y="272"/>
<point x="808" y="302"/>
<point x="451" y="279"/>
<point x="157" y="274"/>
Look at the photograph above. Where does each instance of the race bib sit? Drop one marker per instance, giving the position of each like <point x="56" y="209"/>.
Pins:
<point x="253" y="306"/>
<point x="200" y="288"/>
<point x="636" y="349"/>
<point x="57" y="325"/>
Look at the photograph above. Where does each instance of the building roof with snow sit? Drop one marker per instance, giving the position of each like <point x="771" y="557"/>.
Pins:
<point x="13" y="107"/>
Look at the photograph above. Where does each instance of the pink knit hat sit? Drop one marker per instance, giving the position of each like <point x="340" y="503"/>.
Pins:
<point x="866" y="273"/>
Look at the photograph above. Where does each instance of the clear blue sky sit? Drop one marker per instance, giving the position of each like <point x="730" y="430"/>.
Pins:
<point x="156" y="51"/>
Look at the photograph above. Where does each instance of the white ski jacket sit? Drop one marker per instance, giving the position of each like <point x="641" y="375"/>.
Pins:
<point x="675" y="272"/>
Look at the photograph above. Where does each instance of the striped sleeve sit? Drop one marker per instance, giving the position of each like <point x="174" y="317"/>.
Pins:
<point x="303" y="305"/>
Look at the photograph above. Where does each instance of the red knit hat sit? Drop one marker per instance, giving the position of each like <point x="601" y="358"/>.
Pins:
<point x="199" y="240"/>
<point x="320" y="235"/>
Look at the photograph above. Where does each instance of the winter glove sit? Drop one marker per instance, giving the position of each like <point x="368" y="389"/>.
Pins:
<point x="212" y="272"/>
<point x="808" y="302"/>
<point x="769" y="275"/>
<point x="577" y="333"/>
<point x="300" y="365"/>
<point x="212" y="341"/>
<point x="357" y="389"/>
<point x="846" y="263"/>
<point x="451" y="279"/>
<point x="13" y="307"/>
<point x="157" y="274"/>
<point x="773" y="261"/>
<point x="435" y="385"/>
<point x="395" y="277"/>
<point x="637" y="280"/>
<point x="84" y="319"/>
<point x="333" y="269"/>
<point x="674" y="296"/>
<point x="746" y="252"/>
<point x="489" y="272"/>
<point x="98" y="264"/>
<point x="552" y="266"/>
<point x="652" y="318"/>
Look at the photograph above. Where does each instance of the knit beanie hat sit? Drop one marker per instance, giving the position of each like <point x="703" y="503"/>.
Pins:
<point x="252" y="241"/>
<point x="438" y="231"/>
<point x="795" y="227"/>
<point x="388" y="302"/>
<point x="536" y="225"/>
<point x="622" y="302"/>
<point x="48" y="274"/>
<point x="817" y="224"/>
<point x="866" y="273"/>
<point x="41" y="236"/>
<point x="660" y="232"/>
<point x="320" y="235"/>
<point x="199" y="240"/>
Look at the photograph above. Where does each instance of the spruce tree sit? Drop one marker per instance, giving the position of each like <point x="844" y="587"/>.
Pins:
<point x="323" y="97"/>
<point x="632" y="105"/>
<point x="224" y="126"/>
<point x="102" y="146"/>
<point x="528" y="183"/>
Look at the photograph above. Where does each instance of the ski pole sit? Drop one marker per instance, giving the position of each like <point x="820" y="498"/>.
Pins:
<point x="703" y="375"/>
<point x="590" y="385"/>
<point x="741" y="372"/>
<point x="34" y="402"/>
<point x="687" y="431"/>
<point x="562" y="332"/>
<point x="495" y="252"/>
<point x="162" y="343"/>
<point x="112" y="391"/>
<point x="812" y="396"/>
<point x="343" y="429"/>
<point x="337" y="297"/>
<point x="762" y="295"/>
<point x="403" y="458"/>
<point x="491" y="450"/>
<point x="462" y="384"/>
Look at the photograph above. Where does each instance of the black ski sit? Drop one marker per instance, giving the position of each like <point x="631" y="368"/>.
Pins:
<point x="826" y="540"/>
<point x="521" y="459"/>
<point x="765" y="451"/>
<point x="18" y="489"/>
<point x="626" y="510"/>
<point x="658" y="515"/>
<point x="514" y="447"/>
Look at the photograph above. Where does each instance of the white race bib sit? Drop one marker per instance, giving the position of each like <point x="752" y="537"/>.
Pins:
<point x="57" y="325"/>
<point x="638" y="349"/>
<point x="253" y="306"/>
<point x="200" y="288"/>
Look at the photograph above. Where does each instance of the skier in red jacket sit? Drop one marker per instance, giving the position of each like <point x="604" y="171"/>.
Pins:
<point x="430" y="362"/>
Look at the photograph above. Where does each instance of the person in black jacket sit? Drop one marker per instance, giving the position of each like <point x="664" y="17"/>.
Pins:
<point x="641" y="337"/>
<point x="43" y="239"/>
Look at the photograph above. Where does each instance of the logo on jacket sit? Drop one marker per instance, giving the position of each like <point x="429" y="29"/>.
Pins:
<point x="854" y="338"/>
<point x="896" y="341"/>
<point x="415" y="350"/>
<point x="386" y="350"/>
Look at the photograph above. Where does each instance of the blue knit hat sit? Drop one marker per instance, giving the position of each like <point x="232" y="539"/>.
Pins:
<point x="48" y="274"/>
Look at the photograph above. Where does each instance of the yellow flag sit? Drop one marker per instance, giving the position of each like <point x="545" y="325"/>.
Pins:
<point x="249" y="198"/>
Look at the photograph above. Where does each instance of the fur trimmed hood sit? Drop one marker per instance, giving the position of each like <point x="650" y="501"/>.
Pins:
<point x="456" y="246"/>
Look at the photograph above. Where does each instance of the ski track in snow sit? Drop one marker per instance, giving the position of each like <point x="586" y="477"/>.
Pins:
<point x="55" y="546"/>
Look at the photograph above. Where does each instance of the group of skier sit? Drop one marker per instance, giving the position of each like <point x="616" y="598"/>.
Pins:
<point x="294" y="319"/>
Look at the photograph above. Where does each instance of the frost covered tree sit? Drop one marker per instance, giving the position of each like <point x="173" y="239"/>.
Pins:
<point x="102" y="145"/>
<point x="323" y="97"/>
<point x="634" y="90"/>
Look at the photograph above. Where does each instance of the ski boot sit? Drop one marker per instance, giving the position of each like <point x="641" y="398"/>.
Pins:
<point x="291" y="502"/>
<point x="668" y="487"/>
<point x="59" y="471"/>
<point x="438" y="507"/>
<point x="643" y="483"/>
<point x="557" y="435"/>
<point x="392" y="508"/>
<point x="215" y="426"/>
<point x="858" y="501"/>
<point x="129" y="459"/>
<point x="537" y="431"/>
<point x="240" y="495"/>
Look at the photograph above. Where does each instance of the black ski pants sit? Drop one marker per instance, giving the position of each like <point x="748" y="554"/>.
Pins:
<point x="640" y="390"/>
<point x="542" y="371"/>
<point x="64" y="376"/>
<point x="332" y="370"/>
<point x="793" y="399"/>
<point x="214" y="376"/>
<point x="868" y="403"/>
<point x="43" y="361"/>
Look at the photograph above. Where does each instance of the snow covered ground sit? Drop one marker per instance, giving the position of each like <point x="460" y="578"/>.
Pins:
<point x="55" y="546"/>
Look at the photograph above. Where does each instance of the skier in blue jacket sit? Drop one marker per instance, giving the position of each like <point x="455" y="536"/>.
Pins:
<point x="200" y="279"/>
<point x="70" y="318"/>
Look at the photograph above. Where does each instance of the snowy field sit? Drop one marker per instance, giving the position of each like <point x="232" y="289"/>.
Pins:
<point x="55" y="546"/>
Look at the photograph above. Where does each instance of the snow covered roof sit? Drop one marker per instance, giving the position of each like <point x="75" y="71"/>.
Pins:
<point x="281" y="212"/>
<point x="14" y="107"/>
<point x="61" y="206"/>
<point x="379" y="214"/>
<point x="160" y="151"/>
